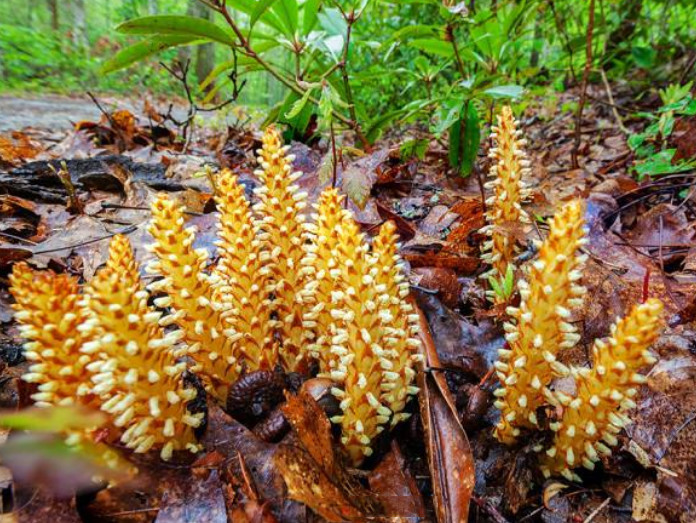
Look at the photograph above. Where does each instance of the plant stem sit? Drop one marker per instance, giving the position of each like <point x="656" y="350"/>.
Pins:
<point x="449" y="30"/>
<point x="221" y="7"/>
<point x="583" y="92"/>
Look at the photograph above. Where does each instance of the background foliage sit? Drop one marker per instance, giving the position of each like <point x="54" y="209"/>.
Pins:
<point x="363" y="64"/>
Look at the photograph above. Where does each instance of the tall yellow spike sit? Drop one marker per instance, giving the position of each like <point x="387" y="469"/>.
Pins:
<point x="242" y="276"/>
<point x="189" y="292"/>
<point x="48" y="311"/>
<point x="541" y="326"/>
<point x="280" y="209"/>
<point x="137" y="376"/>
<point x="505" y="212"/>
<point x="592" y="419"/>
<point x="322" y="256"/>
<point x="400" y="330"/>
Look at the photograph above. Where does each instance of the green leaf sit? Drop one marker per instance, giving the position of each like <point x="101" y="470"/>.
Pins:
<point x="298" y="105"/>
<point x="661" y="163"/>
<point x="636" y="140"/>
<point x="332" y="22"/>
<point x="497" y="289"/>
<point x="144" y="49"/>
<point x="431" y="45"/>
<point x="55" y="419"/>
<point x="505" y="91"/>
<point x="644" y="57"/>
<point x="448" y="112"/>
<point x="414" y="148"/>
<point x="176" y="25"/>
<point x="326" y="107"/>
<point x="310" y="10"/>
<point x="465" y="137"/>
<point x="509" y="282"/>
<point x="261" y="7"/>
<point x="287" y="12"/>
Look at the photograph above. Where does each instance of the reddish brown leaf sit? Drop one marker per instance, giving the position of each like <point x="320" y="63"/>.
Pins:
<point x="314" y="472"/>
<point x="308" y="484"/>
<point x="17" y="148"/>
<point x="442" y="280"/>
<point x="396" y="488"/>
<point x="312" y="428"/>
<point x="449" y="455"/>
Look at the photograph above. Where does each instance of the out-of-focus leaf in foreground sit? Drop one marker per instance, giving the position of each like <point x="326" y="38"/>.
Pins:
<point x="55" y="419"/>
<point x="46" y="461"/>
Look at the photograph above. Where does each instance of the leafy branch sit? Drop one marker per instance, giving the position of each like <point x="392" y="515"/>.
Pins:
<point x="244" y="46"/>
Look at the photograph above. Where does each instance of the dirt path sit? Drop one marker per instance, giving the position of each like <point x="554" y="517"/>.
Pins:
<point x="48" y="112"/>
<point x="59" y="113"/>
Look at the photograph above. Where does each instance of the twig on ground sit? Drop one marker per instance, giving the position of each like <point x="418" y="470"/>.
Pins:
<point x="597" y="511"/>
<point x="615" y="112"/>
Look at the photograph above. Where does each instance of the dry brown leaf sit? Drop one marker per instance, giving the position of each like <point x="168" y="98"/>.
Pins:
<point x="16" y="148"/>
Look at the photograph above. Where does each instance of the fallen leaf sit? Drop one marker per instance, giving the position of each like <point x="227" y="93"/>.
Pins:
<point x="198" y="500"/>
<point x="450" y="459"/>
<point x="396" y="487"/>
<point x="360" y="176"/>
<point x="313" y="471"/>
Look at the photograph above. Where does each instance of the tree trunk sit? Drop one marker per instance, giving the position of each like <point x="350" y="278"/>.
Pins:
<point x="55" y="20"/>
<point x="152" y="7"/>
<point x="79" y="30"/>
<point x="205" y="54"/>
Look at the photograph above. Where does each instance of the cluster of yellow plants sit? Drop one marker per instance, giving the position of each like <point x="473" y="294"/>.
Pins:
<point x="283" y="292"/>
<point x="540" y="328"/>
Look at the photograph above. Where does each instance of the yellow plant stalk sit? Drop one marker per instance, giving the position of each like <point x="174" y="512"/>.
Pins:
<point x="592" y="419"/>
<point x="48" y="311"/>
<point x="541" y="325"/>
<point x="136" y="373"/>
<point x="366" y="340"/>
<point x="400" y="335"/>
<point x="280" y="209"/>
<point x="505" y="211"/>
<point x="321" y="255"/>
<point x="189" y="292"/>
<point x="241" y="277"/>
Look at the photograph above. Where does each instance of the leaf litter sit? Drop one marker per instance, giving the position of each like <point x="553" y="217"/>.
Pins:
<point x="443" y="464"/>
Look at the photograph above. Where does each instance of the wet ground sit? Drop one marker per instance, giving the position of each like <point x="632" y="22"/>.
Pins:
<point x="59" y="113"/>
<point x="48" y="112"/>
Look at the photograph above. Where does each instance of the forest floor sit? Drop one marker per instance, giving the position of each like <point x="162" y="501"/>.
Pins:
<point x="641" y="241"/>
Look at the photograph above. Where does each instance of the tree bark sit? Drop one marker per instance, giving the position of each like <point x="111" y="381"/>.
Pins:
<point x="205" y="54"/>
<point x="55" y="20"/>
<point x="79" y="30"/>
<point x="152" y="7"/>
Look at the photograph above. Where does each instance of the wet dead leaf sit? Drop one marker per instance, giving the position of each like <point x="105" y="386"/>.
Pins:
<point x="396" y="487"/>
<point x="449" y="455"/>
<point x="309" y="484"/>
<point x="17" y="148"/>
<point x="443" y="281"/>
<point x="361" y="175"/>
<point x="41" y="507"/>
<point x="191" y="501"/>
<point x="313" y="471"/>
<point x="231" y="439"/>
